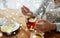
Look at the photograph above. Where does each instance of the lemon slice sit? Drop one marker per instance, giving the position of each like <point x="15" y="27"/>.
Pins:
<point x="38" y="36"/>
<point x="32" y="19"/>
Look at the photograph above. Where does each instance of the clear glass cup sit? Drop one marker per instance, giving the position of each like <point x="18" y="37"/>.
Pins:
<point x="31" y="24"/>
<point x="37" y="34"/>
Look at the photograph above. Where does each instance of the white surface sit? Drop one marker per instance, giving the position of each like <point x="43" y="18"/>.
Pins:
<point x="33" y="5"/>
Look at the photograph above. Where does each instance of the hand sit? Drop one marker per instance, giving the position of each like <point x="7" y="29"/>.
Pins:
<point x="45" y="26"/>
<point x="57" y="1"/>
<point x="26" y="12"/>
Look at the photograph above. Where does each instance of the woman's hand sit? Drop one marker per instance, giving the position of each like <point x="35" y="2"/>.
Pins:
<point x="26" y="12"/>
<point x="44" y="26"/>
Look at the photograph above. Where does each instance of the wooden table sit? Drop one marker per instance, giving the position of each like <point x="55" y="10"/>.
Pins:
<point x="52" y="34"/>
<point x="22" y="33"/>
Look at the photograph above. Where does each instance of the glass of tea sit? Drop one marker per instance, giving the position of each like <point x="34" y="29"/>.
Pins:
<point x="34" y="32"/>
<point x="31" y="23"/>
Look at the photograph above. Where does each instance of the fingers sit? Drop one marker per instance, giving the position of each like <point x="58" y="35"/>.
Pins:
<point x="25" y="9"/>
<point x="26" y="12"/>
<point x="40" y="28"/>
<point x="40" y="21"/>
<point x="43" y="26"/>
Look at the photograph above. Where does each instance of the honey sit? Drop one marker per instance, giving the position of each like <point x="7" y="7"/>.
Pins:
<point x="38" y="36"/>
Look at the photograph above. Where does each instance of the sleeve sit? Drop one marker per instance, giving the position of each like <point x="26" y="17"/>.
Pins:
<point x="58" y="26"/>
<point x="41" y="10"/>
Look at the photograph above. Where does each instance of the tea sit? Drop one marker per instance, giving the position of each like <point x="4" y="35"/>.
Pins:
<point x="38" y="36"/>
<point x="31" y="23"/>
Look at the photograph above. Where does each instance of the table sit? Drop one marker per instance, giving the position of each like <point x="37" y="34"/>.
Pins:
<point x="52" y="34"/>
<point x="22" y="33"/>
